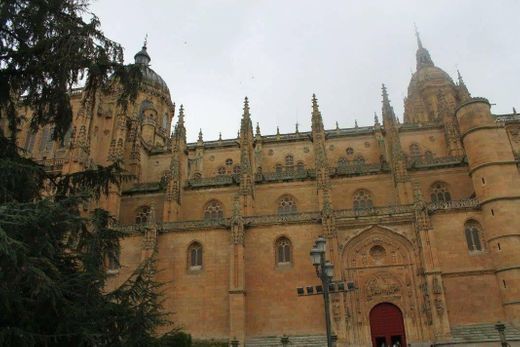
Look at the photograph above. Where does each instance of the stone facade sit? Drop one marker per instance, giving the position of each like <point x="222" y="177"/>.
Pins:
<point x="423" y="214"/>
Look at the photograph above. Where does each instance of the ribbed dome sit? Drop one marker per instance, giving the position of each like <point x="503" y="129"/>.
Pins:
<point x="150" y="77"/>
<point x="428" y="76"/>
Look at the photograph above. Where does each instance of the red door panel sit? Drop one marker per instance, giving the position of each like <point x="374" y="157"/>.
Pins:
<point x="386" y="324"/>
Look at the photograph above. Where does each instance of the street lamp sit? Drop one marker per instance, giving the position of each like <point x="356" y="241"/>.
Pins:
<point x="325" y="272"/>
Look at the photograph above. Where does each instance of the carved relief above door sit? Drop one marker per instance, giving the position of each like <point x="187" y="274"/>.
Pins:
<point x="383" y="265"/>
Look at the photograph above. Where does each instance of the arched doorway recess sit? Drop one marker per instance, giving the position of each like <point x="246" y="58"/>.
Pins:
<point x="387" y="326"/>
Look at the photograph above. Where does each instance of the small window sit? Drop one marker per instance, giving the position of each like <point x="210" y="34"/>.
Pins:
<point x="473" y="233"/>
<point x="283" y="251"/>
<point x="415" y="152"/>
<point x="236" y="169"/>
<point x="197" y="176"/>
<point x="278" y="168"/>
<point x="229" y="162"/>
<point x="350" y="151"/>
<point x="362" y="200"/>
<point x="300" y="167"/>
<point x="286" y="205"/>
<point x="195" y="256"/>
<point x="142" y="215"/>
<point x="439" y="192"/>
<point x="221" y="170"/>
<point x="213" y="210"/>
<point x="428" y="156"/>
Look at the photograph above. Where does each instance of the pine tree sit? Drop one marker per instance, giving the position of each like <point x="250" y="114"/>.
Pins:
<point x="52" y="274"/>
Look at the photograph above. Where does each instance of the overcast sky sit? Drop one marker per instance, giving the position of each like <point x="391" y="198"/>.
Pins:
<point x="278" y="52"/>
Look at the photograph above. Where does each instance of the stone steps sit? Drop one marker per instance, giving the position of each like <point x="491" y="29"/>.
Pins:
<point x="482" y="332"/>
<point x="294" y="341"/>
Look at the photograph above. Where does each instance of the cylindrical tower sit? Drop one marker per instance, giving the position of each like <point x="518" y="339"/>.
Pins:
<point x="496" y="181"/>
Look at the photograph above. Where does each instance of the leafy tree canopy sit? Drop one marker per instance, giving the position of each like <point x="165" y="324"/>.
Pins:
<point x="52" y="273"/>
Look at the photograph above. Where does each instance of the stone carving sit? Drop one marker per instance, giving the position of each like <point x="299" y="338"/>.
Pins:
<point x="382" y="284"/>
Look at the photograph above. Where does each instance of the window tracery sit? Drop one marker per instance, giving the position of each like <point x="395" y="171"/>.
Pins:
<point x="195" y="256"/>
<point x="213" y="210"/>
<point x="283" y="251"/>
<point x="362" y="200"/>
<point x="440" y="192"/>
<point x="473" y="233"/>
<point x="286" y="205"/>
<point x="143" y="214"/>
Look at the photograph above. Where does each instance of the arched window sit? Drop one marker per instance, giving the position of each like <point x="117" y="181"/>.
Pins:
<point x="362" y="200"/>
<point x="236" y="169"/>
<point x="473" y="232"/>
<point x="142" y="215"/>
<point x="289" y="160"/>
<point x="221" y="170"/>
<point x="415" y="152"/>
<point x="342" y="162"/>
<point x="278" y="168"/>
<point x="197" y="176"/>
<point x="165" y="121"/>
<point x="195" y="256"/>
<point x="286" y="205"/>
<point x="428" y="156"/>
<point x="300" y="167"/>
<point x="213" y="210"/>
<point x="283" y="251"/>
<point x="439" y="192"/>
<point x="359" y="160"/>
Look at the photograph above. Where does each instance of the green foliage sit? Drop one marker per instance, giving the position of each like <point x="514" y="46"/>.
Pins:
<point x="52" y="274"/>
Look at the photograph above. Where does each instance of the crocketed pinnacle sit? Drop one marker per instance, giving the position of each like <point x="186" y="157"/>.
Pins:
<point x="200" y="135"/>
<point x="463" y="90"/>
<point x="422" y="55"/>
<point x="317" y="121"/>
<point x="387" y="111"/>
<point x="180" y="122"/>
<point x="246" y="107"/>
<point x="257" y="129"/>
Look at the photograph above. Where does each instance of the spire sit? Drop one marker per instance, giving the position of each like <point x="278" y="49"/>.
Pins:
<point x="423" y="56"/>
<point x="297" y="129"/>
<point x="257" y="129"/>
<point x="142" y="56"/>
<point x="219" y="136"/>
<point x="376" y="119"/>
<point x="337" y="125"/>
<point x="180" y="122"/>
<point x="246" y="107"/>
<point x="317" y="121"/>
<point x="418" y="36"/>
<point x="180" y="130"/>
<point x="387" y="111"/>
<point x="200" y="140"/>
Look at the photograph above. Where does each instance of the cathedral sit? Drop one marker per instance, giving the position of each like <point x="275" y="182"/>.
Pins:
<point x="421" y="216"/>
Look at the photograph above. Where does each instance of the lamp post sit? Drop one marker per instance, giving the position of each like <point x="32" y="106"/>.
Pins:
<point x="325" y="272"/>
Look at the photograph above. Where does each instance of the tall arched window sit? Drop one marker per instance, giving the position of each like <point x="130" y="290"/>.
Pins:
<point x="278" y="168"/>
<point x="473" y="233"/>
<point x="283" y="251"/>
<point x="213" y="210"/>
<point x="142" y="215"/>
<point x="286" y="205"/>
<point x="195" y="256"/>
<point x="342" y="162"/>
<point x="439" y="192"/>
<point x="300" y="167"/>
<point x="362" y="200"/>
<point x="415" y="152"/>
